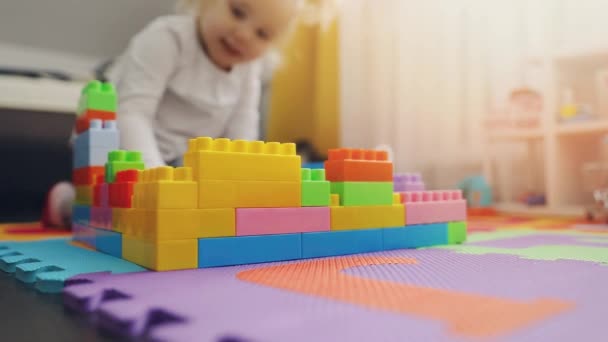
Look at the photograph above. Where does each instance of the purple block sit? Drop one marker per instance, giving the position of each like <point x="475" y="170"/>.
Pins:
<point x="407" y="182"/>
<point x="213" y="304"/>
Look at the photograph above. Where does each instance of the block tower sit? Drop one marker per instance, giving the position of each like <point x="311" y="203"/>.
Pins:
<point x="97" y="135"/>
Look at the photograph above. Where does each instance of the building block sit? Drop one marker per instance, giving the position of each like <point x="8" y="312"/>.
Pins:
<point x="275" y="221"/>
<point x="84" y="195"/>
<point x="84" y="234"/>
<point x="101" y="218"/>
<point x="109" y="242"/>
<point x="457" y="232"/>
<point x="335" y="200"/>
<point x="87" y="175"/>
<point x="416" y="236"/>
<point x="350" y="218"/>
<point x="166" y="188"/>
<point x="83" y="122"/>
<point x="161" y="256"/>
<point x="434" y="207"/>
<point x="121" y="191"/>
<point x="101" y="192"/>
<point x="180" y="224"/>
<point x="248" y="250"/>
<point x="249" y="194"/>
<point x="315" y="189"/>
<point x="93" y="156"/>
<point x="317" y="245"/>
<point x="100" y="134"/>
<point x="407" y="182"/>
<point x="349" y="165"/>
<point x="122" y="219"/>
<point x="81" y="214"/>
<point x="223" y="159"/>
<point x="98" y="96"/>
<point x="120" y="161"/>
<point x="363" y="193"/>
<point x="217" y="223"/>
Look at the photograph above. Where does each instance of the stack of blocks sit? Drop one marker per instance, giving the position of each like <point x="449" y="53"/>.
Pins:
<point x="242" y="202"/>
<point x="97" y="135"/>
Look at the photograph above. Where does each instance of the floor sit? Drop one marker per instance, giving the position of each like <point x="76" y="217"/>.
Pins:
<point x="516" y="279"/>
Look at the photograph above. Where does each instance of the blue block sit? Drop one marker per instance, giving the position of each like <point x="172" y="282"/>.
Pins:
<point x="416" y="236"/>
<point x="84" y="234"/>
<point x="48" y="264"/>
<point x="81" y="214"/>
<point x="108" y="242"/>
<point x="324" y="244"/>
<point x="248" y="250"/>
<point x="92" y="156"/>
<point x="99" y="136"/>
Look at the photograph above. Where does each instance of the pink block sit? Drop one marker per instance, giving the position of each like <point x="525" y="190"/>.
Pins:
<point x="282" y="220"/>
<point x="435" y="212"/>
<point x="105" y="195"/>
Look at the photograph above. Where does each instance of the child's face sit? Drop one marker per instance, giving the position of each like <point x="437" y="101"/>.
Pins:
<point x="238" y="31"/>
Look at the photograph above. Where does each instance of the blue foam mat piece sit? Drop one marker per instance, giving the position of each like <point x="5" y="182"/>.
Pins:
<point x="47" y="264"/>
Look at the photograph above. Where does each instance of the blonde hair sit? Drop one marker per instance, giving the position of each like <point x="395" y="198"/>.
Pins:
<point x="311" y="12"/>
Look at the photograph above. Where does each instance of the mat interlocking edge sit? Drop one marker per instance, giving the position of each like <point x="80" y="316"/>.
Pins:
<point x="47" y="264"/>
<point x="431" y="294"/>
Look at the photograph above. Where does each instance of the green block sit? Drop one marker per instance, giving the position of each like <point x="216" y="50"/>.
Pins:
<point x="363" y="193"/>
<point x="457" y="232"/>
<point x="121" y="161"/>
<point x="315" y="189"/>
<point x="98" y="96"/>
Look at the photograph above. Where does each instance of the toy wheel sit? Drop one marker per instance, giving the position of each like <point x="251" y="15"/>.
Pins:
<point x="590" y="216"/>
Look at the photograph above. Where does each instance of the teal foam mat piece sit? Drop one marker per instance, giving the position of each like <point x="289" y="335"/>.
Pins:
<point x="47" y="264"/>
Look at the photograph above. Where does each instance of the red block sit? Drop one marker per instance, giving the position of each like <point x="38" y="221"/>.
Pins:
<point x="121" y="191"/>
<point x="87" y="175"/>
<point x="84" y="121"/>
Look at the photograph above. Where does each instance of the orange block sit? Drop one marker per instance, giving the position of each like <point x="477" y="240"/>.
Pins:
<point x="84" y="121"/>
<point x="354" y="165"/>
<point x="87" y="175"/>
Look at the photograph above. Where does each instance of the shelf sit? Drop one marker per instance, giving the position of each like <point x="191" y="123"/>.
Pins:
<point x="522" y="209"/>
<point x="585" y="127"/>
<point x="517" y="134"/>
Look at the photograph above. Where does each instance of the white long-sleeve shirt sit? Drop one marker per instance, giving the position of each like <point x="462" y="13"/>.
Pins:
<point x="169" y="91"/>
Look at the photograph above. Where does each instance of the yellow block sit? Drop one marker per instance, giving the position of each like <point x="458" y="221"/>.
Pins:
<point x="249" y="194"/>
<point x="240" y="160"/>
<point x="133" y="250"/>
<point x="166" y="188"/>
<point x="335" y="200"/>
<point x="396" y="198"/>
<point x="84" y="195"/>
<point x="182" y="224"/>
<point x="217" y="223"/>
<point x="350" y="218"/>
<point x="162" y="256"/>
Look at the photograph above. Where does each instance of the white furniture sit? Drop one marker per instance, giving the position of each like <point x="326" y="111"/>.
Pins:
<point x="557" y="152"/>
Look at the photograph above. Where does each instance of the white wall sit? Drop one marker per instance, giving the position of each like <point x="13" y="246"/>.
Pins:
<point x="84" y="27"/>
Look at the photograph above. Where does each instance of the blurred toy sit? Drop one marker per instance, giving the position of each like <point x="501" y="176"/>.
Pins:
<point x="476" y="191"/>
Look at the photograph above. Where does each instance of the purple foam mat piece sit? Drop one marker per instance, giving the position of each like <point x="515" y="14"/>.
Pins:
<point x="543" y="240"/>
<point x="212" y="304"/>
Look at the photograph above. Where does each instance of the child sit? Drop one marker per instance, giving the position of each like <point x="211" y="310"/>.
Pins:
<point x="186" y="76"/>
<point x="197" y="75"/>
